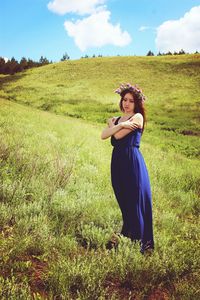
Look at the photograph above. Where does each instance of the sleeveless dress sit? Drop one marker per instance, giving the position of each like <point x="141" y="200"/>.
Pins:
<point x="131" y="185"/>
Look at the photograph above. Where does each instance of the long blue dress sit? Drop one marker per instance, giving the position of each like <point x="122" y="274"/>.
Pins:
<point x="131" y="185"/>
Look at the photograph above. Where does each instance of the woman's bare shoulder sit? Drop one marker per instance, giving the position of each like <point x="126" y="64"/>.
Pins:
<point x="138" y="119"/>
<point x="138" y="116"/>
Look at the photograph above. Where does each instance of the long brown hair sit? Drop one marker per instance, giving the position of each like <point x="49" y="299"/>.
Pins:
<point x="138" y="105"/>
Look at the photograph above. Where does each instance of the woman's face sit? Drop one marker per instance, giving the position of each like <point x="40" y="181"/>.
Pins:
<point x="128" y="103"/>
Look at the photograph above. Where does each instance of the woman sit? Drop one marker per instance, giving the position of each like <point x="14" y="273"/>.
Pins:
<point x="129" y="175"/>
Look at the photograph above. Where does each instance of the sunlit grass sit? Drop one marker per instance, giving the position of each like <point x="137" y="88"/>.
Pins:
<point x="57" y="207"/>
<point x="84" y="89"/>
<point x="66" y="227"/>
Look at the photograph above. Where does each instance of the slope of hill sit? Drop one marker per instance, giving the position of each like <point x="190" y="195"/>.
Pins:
<point x="57" y="208"/>
<point x="85" y="89"/>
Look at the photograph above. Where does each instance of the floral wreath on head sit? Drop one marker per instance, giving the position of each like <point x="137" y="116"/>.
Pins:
<point x="132" y="88"/>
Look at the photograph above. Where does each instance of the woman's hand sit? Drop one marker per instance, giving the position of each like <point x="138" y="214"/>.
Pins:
<point x="111" y="122"/>
<point x="129" y="125"/>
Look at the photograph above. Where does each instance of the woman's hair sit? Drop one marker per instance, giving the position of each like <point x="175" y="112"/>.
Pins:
<point x="138" y="105"/>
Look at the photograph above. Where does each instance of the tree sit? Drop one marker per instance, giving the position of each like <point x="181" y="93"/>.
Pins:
<point x="65" y="57"/>
<point x="12" y="66"/>
<point x="2" y="65"/>
<point x="86" y="56"/>
<point x="150" y="53"/>
<point x="31" y="63"/>
<point x="24" y="63"/>
<point x="181" y="52"/>
<point x="43" y="61"/>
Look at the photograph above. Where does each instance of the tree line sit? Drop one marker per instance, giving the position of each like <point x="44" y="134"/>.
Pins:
<point x="12" y="66"/>
<point x="150" y="53"/>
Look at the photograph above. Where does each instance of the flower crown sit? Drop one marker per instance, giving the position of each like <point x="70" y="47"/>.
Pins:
<point x="133" y="88"/>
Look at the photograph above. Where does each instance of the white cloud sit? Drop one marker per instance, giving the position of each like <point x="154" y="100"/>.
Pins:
<point x="174" y="35"/>
<point x="80" y="7"/>
<point x="94" y="30"/>
<point x="143" y="28"/>
<point x="97" y="31"/>
<point x="5" y="59"/>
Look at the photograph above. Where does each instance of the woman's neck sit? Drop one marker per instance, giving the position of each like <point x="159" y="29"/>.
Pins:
<point x="128" y="115"/>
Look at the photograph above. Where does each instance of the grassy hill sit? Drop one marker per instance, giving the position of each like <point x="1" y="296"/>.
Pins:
<point x="57" y="208"/>
<point x="85" y="89"/>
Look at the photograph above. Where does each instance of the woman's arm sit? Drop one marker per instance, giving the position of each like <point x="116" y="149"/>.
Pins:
<point x="107" y="132"/>
<point x="136" y="121"/>
<point x="113" y="129"/>
<point x="123" y="132"/>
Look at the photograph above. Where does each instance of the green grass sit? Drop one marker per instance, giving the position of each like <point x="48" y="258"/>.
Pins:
<point x="57" y="207"/>
<point x="85" y="89"/>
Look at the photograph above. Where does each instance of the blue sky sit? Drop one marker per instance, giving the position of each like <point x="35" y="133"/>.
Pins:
<point x="32" y="28"/>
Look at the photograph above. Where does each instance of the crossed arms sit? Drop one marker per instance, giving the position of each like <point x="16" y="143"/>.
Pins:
<point x="123" y="128"/>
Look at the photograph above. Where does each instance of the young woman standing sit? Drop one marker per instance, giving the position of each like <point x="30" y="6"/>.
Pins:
<point x="129" y="175"/>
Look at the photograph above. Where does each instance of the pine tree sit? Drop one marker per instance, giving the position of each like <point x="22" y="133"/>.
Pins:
<point x="150" y="53"/>
<point x="24" y="63"/>
<point x="12" y="66"/>
<point x="2" y="65"/>
<point x="65" y="57"/>
<point x="43" y="61"/>
<point x="181" y="52"/>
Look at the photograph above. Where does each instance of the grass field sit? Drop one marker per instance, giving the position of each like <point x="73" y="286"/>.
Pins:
<point x="57" y="207"/>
